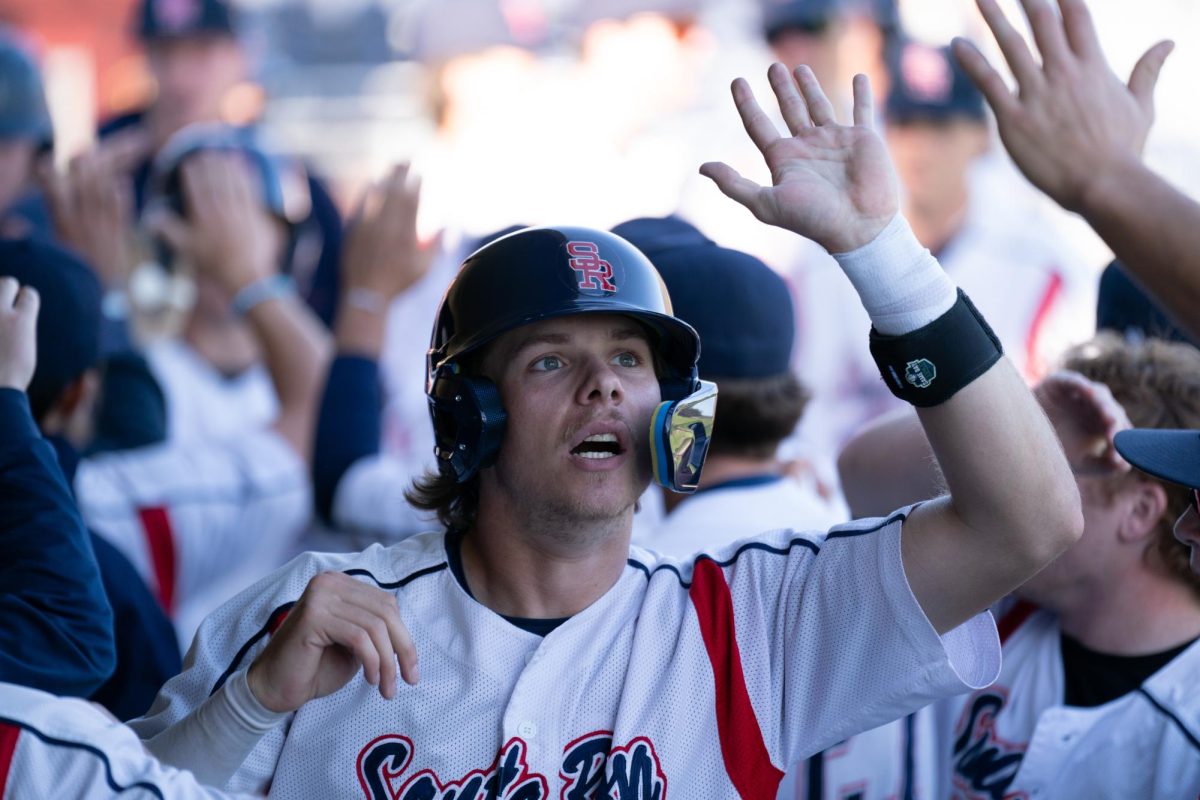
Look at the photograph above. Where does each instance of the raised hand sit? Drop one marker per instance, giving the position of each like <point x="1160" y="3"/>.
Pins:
<point x="831" y="183"/>
<point x="1072" y="119"/>
<point x="18" y="333"/>
<point x="383" y="253"/>
<point x="228" y="232"/>
<point x="1086" y="417"/>
<point x="338" y="626"/>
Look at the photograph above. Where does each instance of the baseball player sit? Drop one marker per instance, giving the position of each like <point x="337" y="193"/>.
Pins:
<point x="556" y="660"/>
<point x="25" y="135"/>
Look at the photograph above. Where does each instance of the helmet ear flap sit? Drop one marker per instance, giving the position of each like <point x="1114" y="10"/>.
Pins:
<point x="468" y="424"/>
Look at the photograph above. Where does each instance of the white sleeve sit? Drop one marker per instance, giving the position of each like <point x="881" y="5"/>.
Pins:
<point x="370" y="499"/>
<point x="184" y="514"/>
<point x="226" y="643"/>
<point x="832" y="639"/>
<point x="55" y="747"/>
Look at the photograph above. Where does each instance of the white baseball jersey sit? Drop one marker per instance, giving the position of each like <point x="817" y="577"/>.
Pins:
<point x="875" y="765"/>
<point x="1016" y="739"/>
<point x="66" y="749"/>
<point x="705" y="677"/>
<point x="200" y="522"/>
<point x="203" y="404"/>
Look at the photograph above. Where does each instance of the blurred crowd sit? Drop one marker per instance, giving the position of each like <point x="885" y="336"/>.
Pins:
<point x="206" y="445"/>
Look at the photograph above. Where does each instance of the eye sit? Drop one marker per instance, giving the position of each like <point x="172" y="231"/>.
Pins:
<point x="547" y="364"/>
<point x="627" y="359"/>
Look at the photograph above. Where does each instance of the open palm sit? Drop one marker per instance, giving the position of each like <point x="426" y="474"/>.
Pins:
<point x="831" y="183"/>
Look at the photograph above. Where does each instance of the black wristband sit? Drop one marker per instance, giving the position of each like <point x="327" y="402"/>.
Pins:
<point x="929" y="365"/>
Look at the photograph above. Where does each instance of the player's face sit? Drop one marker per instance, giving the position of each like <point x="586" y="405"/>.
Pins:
<point x="193" y="76"/>
<point x="579" y="393"/>
<point x="1187" y="530"/>
<point x="932" y="160"/>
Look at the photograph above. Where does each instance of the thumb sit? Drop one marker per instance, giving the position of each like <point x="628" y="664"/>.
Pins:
<point x="1145" y="73"/>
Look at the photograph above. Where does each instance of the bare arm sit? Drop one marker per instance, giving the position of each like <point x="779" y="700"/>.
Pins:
<point x="1013" y="505"/>
<point x="1077" y="133"/>
<point x="888" y="464"/>
<point x="231" y="237"/>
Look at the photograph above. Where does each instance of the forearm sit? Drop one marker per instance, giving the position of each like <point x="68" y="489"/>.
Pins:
<point x="215" y="739"/>
<point x="359" y="331"/>
<point x="296" y="350"/>
<point x="1154" y="229"/>
<point x="888" y="464"/>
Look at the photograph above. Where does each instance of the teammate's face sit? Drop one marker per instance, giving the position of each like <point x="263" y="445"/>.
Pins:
<point x="932" y="160"/>
<point x="579" y="393"/>
<point x="193" y="76"/>
<point x="1187" y="530"/>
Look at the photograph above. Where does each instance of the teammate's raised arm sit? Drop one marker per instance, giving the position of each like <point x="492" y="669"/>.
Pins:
<point x="1013" y="505"/>
<point x="1077" y="131"/>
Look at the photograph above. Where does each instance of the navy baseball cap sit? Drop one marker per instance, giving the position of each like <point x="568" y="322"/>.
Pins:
<point x="179" y="19"/>
<point x="1172" y="455"/>
<point x="1126" y="308"/>
<point x="927" y="84"/>
<point x="741" y="308"/>
<point x="68" y="325"/>
<point x="811" y="16"/>
<point x="23" y="112"/>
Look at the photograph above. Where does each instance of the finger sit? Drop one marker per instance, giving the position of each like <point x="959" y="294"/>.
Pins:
<point x="734" y="186"/>
<point x="1080" y="30"/>
<point x="1047" y="33"/>
<point x="1016" y="52"/>
<point x="171" y="228"/>
<point x="384" y="657"/>
<point x="405" y="649"/>
<point x="382" y="607"/>
<point x="28" y="303"/>
<point x="125" y="149"/>
<point x="8" y="292"/>
<point x="819" y="107"/>
<point x="864" y="102"/>
<point x="791" y="104"/>
<point x="985" y="77"/>
<point x="1145" y="73"/>
<point x="758" y="126"/>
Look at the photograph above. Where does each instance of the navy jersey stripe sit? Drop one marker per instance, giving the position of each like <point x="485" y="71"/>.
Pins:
<point x="1167" y="713"/>
<point x="781" y="551"/>
<point x="98" y="753"/>
<point x="274" y="618"/>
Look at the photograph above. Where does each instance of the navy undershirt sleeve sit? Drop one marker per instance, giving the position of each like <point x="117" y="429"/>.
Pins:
<point x="56" y="626"/>
<point x="348" y="425"/>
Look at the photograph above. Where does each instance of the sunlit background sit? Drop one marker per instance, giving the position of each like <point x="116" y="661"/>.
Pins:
<point x="528" y="110"/>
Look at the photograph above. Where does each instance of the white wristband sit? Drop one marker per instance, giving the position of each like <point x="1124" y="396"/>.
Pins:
<point x="260" y="291"/>
<point x="900" y="283"/>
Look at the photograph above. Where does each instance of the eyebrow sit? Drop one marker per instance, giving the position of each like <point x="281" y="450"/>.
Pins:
<point x="621" y="334"/>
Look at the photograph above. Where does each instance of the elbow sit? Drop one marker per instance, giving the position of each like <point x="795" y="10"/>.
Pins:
<point x="1056" y="527"/>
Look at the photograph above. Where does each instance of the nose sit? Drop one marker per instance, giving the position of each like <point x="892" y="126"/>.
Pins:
<point x="1187" y="528"/>
<point x="600" y="384"/>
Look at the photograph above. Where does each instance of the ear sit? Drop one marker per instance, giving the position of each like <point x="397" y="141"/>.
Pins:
<point x="1147" y="504"/>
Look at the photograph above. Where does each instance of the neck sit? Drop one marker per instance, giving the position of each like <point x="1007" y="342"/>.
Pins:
<point x="526" y="565"/>
<point x="935" y="224"/>
<point x="1139" y="614"/>
<point x="229" y="348"/>
<point x="719" y="469"/>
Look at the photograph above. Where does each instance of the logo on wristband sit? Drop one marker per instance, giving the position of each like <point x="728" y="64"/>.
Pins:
<point x="920" y="373"/>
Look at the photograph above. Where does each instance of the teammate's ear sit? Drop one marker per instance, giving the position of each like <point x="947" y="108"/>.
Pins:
<point x="1148" y="504"/>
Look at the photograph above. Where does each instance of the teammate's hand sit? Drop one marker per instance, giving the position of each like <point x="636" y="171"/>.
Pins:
<point x="832" y="183"/>
<point x="383" y="253"/>
<point x="1072" y="119"/>
<point x="338" y="626"/>
<point x="1086" y="417"/>
<point x="18" y="333"/>
<point x="228" y="233"/>
<point x="91" y="204"/>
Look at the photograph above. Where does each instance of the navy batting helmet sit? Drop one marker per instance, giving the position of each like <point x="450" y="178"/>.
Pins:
<point x="531" y="275"/>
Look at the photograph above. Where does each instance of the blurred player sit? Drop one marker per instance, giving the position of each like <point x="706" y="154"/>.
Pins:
<point x="25" y="135"/>
<point x="556" y="658"/>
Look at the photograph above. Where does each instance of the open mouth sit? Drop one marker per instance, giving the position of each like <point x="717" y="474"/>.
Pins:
<point x="598" y="446"/>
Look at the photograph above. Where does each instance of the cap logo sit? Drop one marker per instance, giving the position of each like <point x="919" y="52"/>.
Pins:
<point x="175" y="15"/>
<point x="926" y="74"/>
<point x="595" y="274"/>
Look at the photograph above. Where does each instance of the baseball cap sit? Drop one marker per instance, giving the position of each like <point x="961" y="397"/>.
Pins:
<point x="178" y="19"/>
<point x="23" y="112"/>
<point x="1172" y="455"/>
<point x="927" y="84"/>
<point x="1124" y="307"/>
<point x="805" y="15"/>
<point x="741" y="308"/>
<point x="68" y="325"/>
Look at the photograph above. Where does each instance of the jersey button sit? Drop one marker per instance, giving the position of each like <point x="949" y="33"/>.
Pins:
<point x="527" y="730"/>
